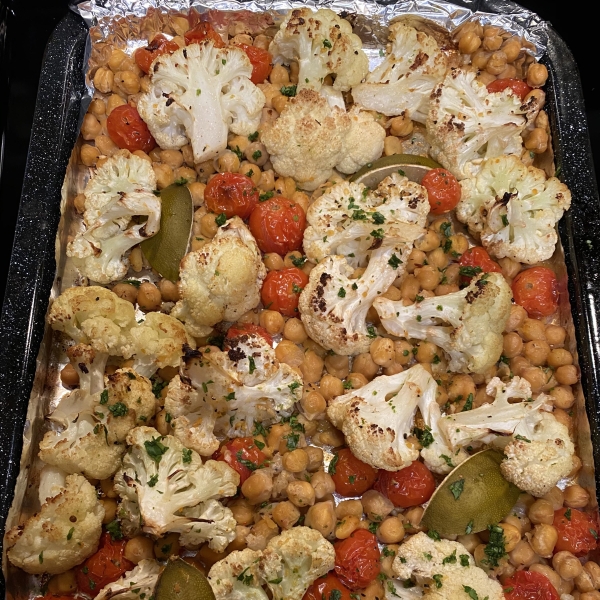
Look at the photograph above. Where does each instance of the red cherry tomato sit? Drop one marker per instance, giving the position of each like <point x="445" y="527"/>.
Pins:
<point x="127" y="129"/>
<point x="408" y="487"/>
<point x="577" y="531"/>
<point x="104" y="567"/>
<point x="476" y="260"/>
<point x="238" y="329"/>
<point x="324" y="588"/>
<point x="278" y="225"/>
<point x="281" y="290"/>
<point x="201" y="32"/>
<point x="443" y="190"/>
<point x="352" y="477"/>
<point x="520" y="88"/>
<point x="261" y="62"/>
<point x="357" y="559"/>
<point x="536" y="290"/>
<point x="529" y="585"/>
<point x="158" y="46"/>
<point x="242" y="455"/>
<point x="232" y="194"/>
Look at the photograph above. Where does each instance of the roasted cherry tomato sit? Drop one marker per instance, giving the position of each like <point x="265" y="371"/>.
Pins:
<point x="536" y="290"/>
<point x="329" y="587"/>
<point x="232" y="194"/>
<point x="281" y="290"/>
<point x="104" y="567"/>
<point x="352" y="477"/>
<point x="242" y="455"/>
<point x="158" y="46"/>
<point x="577" y="531"/>
<point x="408" y="487"/>
<point x="238" y="329"/>
<point x="443" y="190"/>
<point x="278" y="225"/>
<point x="520" y="88"/>
<point x="261" y="62"/>
<point x="529" y="585"/>
<point x="357" y="559"/>
<point x="474" y="261"/>
<point x="201" y="32"/>
<point x="127" y="129"/>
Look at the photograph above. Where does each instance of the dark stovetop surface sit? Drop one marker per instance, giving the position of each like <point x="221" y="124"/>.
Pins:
<point x="25" y="26"/>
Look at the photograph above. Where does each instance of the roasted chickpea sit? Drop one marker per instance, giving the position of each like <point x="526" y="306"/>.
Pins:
<point x="273" y="261"/>
<point x="428" y="277"/>
<point x="313" y="404"/>
<point x="566" y="564"/>
<point x="256" y="154"/>
<point x="584" y="582"/>
<point x="301" y="493"/>
<point x="469" y="541"/>
<point x="391" y="531"/>
<point x="382" y="351"/>
<point x="287" y="352"/>
<point x="536" y="352"/>
<point x="285" y="514"/>
<point x="168" y="290"/>
<point x="337" y="365"/>
<point x="567" y="375"/>
<point x="576" y="496"/>
<point x="409" y="288"/>
<point x="103" y="80"/>
<point x="523" y="555"/>
<point x="89" y="155"/>
<point x="90" y="127"/>
<point x="556" y="497"/>
<point x="430" y="241"/>
<point x="294" y="331"/>
<point x="321" y="517"/>
<point x="139" y="548"/>
<point x="555" y="335"/>
<point x="391" y="145"/>
<point x="544" y="539"/>
<point x="594" y="570"/>
<point x="272" y="321"/>
<point x="426" y="352"/>
<point x="126" y="82"/>
<point x="149" y="297"/>
<point x="412" y="519"/>
<point x="532" y="329"/>
<point x="63" y="583"/>
<point x="242" y="512"/>
<point x="166" y="546"/>
<point x="541" y="511"/>
<point x="469" y="42"/>
<point x="401" y="126"/>
<point x="512" y="345"/>
<point x="559" y="357"/>
<point x="295" y="461"/>
<point x="323" y="484"/>
<point x="164" y="175"/>
<point x="69" y="376"/>
<point x="346" y="527"/>
<point x="355" y="381"/>
<point x="258" y="487"/>
<point x="537" y="74"/>
<point x="537" y="140"/>
<point x="517" y="317"/>
<point x="315" y="458"/>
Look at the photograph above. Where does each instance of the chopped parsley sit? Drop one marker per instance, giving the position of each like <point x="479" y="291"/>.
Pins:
<point x="267" y="196"/>
<point x="155" y="449"/>
<point x="118" y="410"/>
<point x="259" y="444"/>
<point x="450" y="560"/>
<point x="221" y="219"/>
<point x="238" y="153"/>
<point x="181" y="181"/>
<point x="378" y="218"/>
<point x="104" y="397"/>
<point x="252" y="367"/>
<point x="342" y="292"/>
<point x="41" y="557"/>
<point x="446" y="229"/>
<point x="456" y="487"/>
<point x="253" y="136"/>
<point x="153" y="481"/>
<point x="438" y="581"/>
<point x="332" y="464"/>
<point x="298" y="261"/>
<point x="114" y="528"/>
<point x="424" y="436"/>
<point x="377" y="234"/>
<point x="434" y="535"/>
<point x="291" y="441"/>
<point x="495" y="549"/>
<point x="157" y="388"/>
<point x="186" y="456"/>
<point x="522" y="438"/>
<point x="568" y="514"/>
<point x="394" y="261"/>
<point x="472" y="593"/>
<point x="372" y="526"/>
<point x="245" y="462"/>
<point x="469" y="527"/>
<point x="294" y="386"/>
<point x="256" y="154"/>
<point x="70" y="534"/>
<point x="289" y="90"/>
<point x="245" y="579"/>
<point x="259" y="429"/>
<point x="504" y="220"/>
<point x="347" y="385"/>
<point x="275" y="581"/>
<point x="371" y="333"/>
<point x="327" y="44"/>
<point x="464" y="560"/>
<point x="468" y="404"/>
<point x="469" y="271"/>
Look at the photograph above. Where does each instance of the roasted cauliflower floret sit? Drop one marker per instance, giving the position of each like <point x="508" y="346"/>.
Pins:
<point x="467" y="324"/>
<point x="221" y="281"/>
<point x="238" y="577"/>
<point x="466" y="123"/>
<point x="310" y="138"/>
<point x="63" y="534"/>
<point x="514" y="208"/>
<point x="322" y="43"/>
<point x="198" y="94"/>
<point x="403" y="82"/>
<point x="135" y="584"/>
<point x="120" y="189"/>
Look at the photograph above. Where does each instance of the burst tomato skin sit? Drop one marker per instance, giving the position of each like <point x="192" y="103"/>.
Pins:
<point x="281" y="290"/>
<point x="261" y="62"/>
<point x="357" y="559"/>
<point x="577" y="531"/>
<point x="529" y="585"/>
<point x="238" y="451"/>
<point x="519" y="87"/>
<point x="278" y="225"/>
<point x="104" y="567"/>
<point x="352" y="477"/>
<point x="324" y="586"/>
<point x="408" y="487"/>
<point x="238" y="329"/>
<point x="127" y="129"/>
<point x="203" y="31"/>
<point x="536" y="290"/>
<point x="157" y="47"/>
<point x="477" y="257"/>
<point x="443" y="190"/>
<point x="231" y="193"/>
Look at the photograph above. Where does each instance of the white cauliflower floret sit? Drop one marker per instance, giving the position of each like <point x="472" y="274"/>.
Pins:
<point x="514" y="208"/>
<point x="167" y="488"/>
<point x="237" y="577"/>
<point x="63" y="534"/>
<point x="156" y="343"/>
<point x="484" y="423"/>
<point x="52" y="482"/>
<point x="466" y="123"/>
<point x="135" y="584"/>
<point x="293" y="560"/>
<point x="119" y="190"/>
<point x="342" y="220"/>
<point x="403" y="82"/>
<point x="540" y="454"/>
<point x="95" y="427"/>
<point x="243" y="384"/>
<point x="445" y="570"/>
<point x="310" y="138"/>
<point x="377" y="418"/>
<point x="199" y="93"/>
<point x="221" y="281"/>
<point x="322" y="43"/>
<point x="467" y="324"/>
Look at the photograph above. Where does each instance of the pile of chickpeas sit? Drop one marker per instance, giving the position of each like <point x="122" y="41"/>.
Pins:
<point x="295" y="487"/>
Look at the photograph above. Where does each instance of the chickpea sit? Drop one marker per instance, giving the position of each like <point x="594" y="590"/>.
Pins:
<point x="590" y="596"/>
<point x="89" y="155"/>
<point x="258" y="487"/>
<point x="301" y="493"/>
<point x="512" y="49"/>
<point x="392" y="145"/>
<point x="512" y="536"/>
<point x="469" y="541"/>
<point x="164" y="175"/>
<point x="97" y="107"/>
<point x="412" y="519"/>
<point x="426" y="352"/>
<point x="559" y="357"/>
<point x="460" y="387"/>
<point x="149" y="297"/>
<point x="438" y="258"/>
<point x="256" y="153"/>
<point x="294" y="331"/>
<point x="584" y="582"/>
<point x="355" y="381"/>
<point x="103" y="80"/>
<point x="285" y="514"/>
<point x="277" y="433"/>
<point x="110" y="509"/>
<point x="532" y="329"/>
<point x="205" y="170"/>
<point x="185" y="175"/>
<point x="388" y="554"/>
<point x="594" y="570"/>
<point x="550" y="573"/>
<point x="126" y="82"/>
<point x="537" y="141"/>
<point x="166" y="546"/>
<point x="556" y="497"/>
<point x="287" y="352"/>
<point x="510" y="72"/>
<point x="160" y="422"/>
<point x="555" y="335"/>
<point x="391" y="531"/>
<point x="63" y="583"/>
<point x="563" y="417"/>
<point x="430" y="241"/>
<point x="273" y="261"/>
<point x="250" y="170"/>
<point x="242" y="512"/>
<point x="516" y="319"/>
<point x="452" y="273"/>
<point x="409" y="288"/>
<point x="576" y="496"/>
<point x="328" y="435"/>
<point x="279" y="75"/>
<point x="69" y="376"/>
<point x="382" y="351"/>
<point x="376" y="506"/>
<point x="416" y="259"/>
<point x="512" y="345"/>
<point x="272" y="321"/>
<point x="492" y="41"/>
<point x="168" y="290"/>
<point x="536" y="352"/>
<point x="322" y="484"/>
<point x="90" y="127"/>
<point x="518" y="364"/>
<point x="315" y="458"/>
<point x="469" y="42"/>
<point x="541" y="511"/>
<point x="295" y="461"/>
<point x="496" y="63"/>
<point x="523" y="555"/>
<point x="567" y="375"/>
<point x="428" y="277"/>
<point x="313" y="404"/>
<point x="346" y="527"/>
<point x="331" y="387"/>
<point x="566" y="564"/>
<point x="401" y="126"/>
<point x="208" y="225"/>
<point x="321" y="517"/>
<point x="544" y="539"/>
<point x="139" y="548"/>
<point x="537" y="74"/>
<point x="337" y="365"/>
<point x="262" y="532"/>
